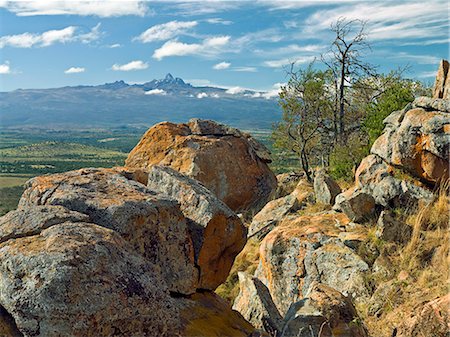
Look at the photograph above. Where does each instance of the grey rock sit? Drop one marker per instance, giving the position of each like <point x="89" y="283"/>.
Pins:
<point x="390" y="229"/>
<point x="358" y="206"/>
<point x="325" y="188"/>
<point x="255" y="303"/>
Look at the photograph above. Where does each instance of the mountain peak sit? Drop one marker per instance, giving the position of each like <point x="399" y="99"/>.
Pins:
<point x="169" y="77"/>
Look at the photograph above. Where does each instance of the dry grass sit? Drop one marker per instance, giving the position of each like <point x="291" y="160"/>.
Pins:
<point x="424" y="261"/>
<point x="247" y="261"/>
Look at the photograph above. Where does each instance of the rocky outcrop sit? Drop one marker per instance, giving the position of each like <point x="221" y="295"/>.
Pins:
<point x="228" y="162"/>
<point x="312" y="248"/>
<point x="442" y="84"/>
<point x="218" y="235"/>
<point x="417" y="139"/>
<point x="325" y="188"/>
<point x="94" y="252"/>
<point x="430" y="319"/>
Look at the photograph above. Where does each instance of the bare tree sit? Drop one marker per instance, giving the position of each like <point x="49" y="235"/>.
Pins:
<point x="344" y="59"/>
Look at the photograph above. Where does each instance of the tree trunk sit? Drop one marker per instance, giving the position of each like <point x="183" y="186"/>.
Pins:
<point x="342" y="102"/>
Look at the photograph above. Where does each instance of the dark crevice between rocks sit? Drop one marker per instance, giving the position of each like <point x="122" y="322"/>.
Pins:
<point x="8" y="326"/>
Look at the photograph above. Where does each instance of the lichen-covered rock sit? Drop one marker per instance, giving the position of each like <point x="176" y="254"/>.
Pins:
<point x="323" y="312"/>
<point x="228" y="162"/>
<point x="325" y="188"/>
<point x="80" y="279"/>
<point x="429" y="319"/>
<point x="217" y="233"/>
<point x="419" y="144"/>
<point x="308" y="249"/>
<point x="271" y="214"/>
<point x="356" y="204"/>
<point x="390" y="229"/>
<point x="134" y="211"/>
<point x="255" y="303"/>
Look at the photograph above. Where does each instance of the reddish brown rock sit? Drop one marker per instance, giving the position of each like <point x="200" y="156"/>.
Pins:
<point x="227" y="161"/>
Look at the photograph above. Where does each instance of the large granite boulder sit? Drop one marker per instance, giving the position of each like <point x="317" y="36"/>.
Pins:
<point x="228" y="162"/>
<point x="312" y="248"/>
<point x="218" y="235"/>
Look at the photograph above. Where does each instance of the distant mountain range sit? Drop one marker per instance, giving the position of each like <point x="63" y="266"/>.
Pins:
<point x="121" y="104"/>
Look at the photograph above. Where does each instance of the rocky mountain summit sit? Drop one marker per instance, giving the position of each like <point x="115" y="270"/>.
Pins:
<point x="145" y="249"/>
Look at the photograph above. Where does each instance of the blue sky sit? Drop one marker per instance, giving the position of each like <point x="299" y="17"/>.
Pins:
<point x="46" y="44"/>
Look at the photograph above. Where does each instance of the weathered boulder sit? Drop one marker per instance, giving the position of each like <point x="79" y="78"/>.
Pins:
<point x="271" y="214"/>
<point x="255" y="303"/>
<point x="82" y="279"/>
<point x="287" y="182"/>
<point x="356" y="204"/>
<point x="442" y="84"/>
<point x="390" y="229"/>
<point x="131" y="209"/>
<point x="323" y="312"/>
<point x="417" y="140"/>
<point x="228" y="162"/>
<point x="325" y="188"/>
<point x="308" y="249"/>
<point x="377" y="178"/>
<point x="217" y="232"/>
<point x="430" y="319"/>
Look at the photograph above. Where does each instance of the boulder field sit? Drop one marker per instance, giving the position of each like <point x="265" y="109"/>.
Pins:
<point x="139" y="250"/>
<point x="96" y="252"/>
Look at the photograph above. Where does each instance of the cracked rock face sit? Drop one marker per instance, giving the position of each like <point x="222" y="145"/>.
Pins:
<point x="225" y="160"/>
<point x="94" y="252"/>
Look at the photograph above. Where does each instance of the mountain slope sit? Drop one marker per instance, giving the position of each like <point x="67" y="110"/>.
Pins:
<point x="119" y="103"/>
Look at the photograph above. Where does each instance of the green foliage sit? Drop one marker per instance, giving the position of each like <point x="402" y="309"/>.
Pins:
<point x="395" y="97"/>
<point x="306" y="109"/>
<point x="345" y="158"/>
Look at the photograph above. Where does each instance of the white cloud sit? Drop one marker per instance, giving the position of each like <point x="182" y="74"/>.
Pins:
<point x="210" y="46"/>
<point x="133" y="65"/>
<point x="4" y="68"/>
<point x="76" y="7"/>
<point x="202" y="95"/>
<point x="75" y="70"/>
<point x="215" y="95"/>
<point x="245" y="69"/>
<point x="50" y="37"/>
<point x="220" y="21"/>
<point x="160" y="92"/>
<point x="93" y="35"/>
<point x="235" y="90"/>
<point x="222" y="65"/>
<point x="115" y="45"/>
<point x="286" y="61"/>
<point x="388" y="20"/>
<point x="165" y="31"/>
<point x="427" y="74"/>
